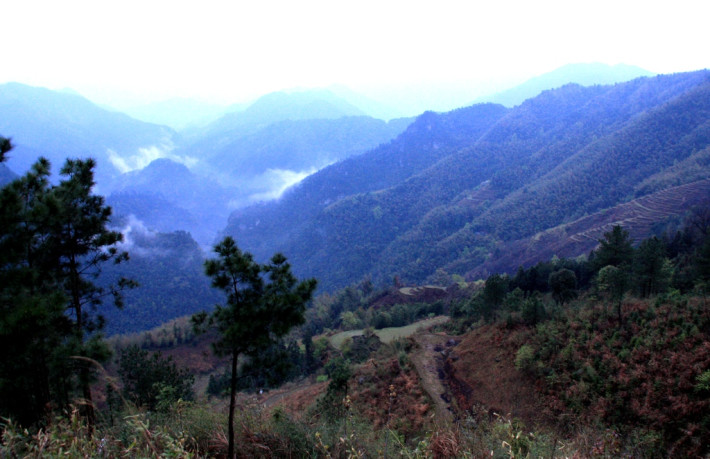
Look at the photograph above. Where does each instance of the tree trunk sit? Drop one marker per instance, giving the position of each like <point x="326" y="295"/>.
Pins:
<point x="84" y="374"/>
<point x="88" y="399"/>
<point x="618" y="309"/>
<point x="232" y="404"/>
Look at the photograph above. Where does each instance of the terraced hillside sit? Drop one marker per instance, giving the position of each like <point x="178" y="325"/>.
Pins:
<point x="581" y="236"/>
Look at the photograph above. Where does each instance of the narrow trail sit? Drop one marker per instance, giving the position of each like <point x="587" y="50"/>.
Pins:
<point x="429" y="362"/>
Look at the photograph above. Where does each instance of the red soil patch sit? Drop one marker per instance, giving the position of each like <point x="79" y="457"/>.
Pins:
<point x="391" y="395"/>
<point x="196" y="356"/>
<point x="294" y="398"/>
<point x="481" y="372"/>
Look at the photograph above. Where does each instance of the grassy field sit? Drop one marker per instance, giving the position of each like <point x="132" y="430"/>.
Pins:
<point x="389" y="334"/>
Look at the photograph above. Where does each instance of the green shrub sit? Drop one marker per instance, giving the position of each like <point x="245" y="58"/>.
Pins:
<point x="525" y="358"/>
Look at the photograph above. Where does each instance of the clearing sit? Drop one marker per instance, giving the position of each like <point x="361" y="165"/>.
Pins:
<point x="389" y="334"/>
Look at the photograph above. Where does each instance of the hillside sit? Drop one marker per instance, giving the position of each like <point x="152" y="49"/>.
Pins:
<point x="168" y="267"/>
<point x="565" y="154"/>
<point x="427" y="140"/>
<point x="638" y="216"/>
<point x="166" y="196"/>
<point x="58" y="125"/>
<point x="6" y="175"/>
<point x="297" y="145"/>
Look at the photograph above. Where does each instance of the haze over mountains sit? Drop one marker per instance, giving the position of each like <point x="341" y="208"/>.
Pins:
<point x="466" y="192"/>
<point x="254" y="154"/>
<point x="582" y="74"/>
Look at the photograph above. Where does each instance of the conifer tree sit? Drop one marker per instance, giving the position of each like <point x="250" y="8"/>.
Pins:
<point x="615" y="249"/>
<point x="615" y="282"/>
<point x="32" y="320"/>
<point x="563" y="284"/>
<point x="82" y="243"/>
<point x="651" y="268"/>
<point x="263" y="302"/>
<point x="53" y="242"/>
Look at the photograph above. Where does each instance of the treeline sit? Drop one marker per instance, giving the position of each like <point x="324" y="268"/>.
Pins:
<point x="675" y="261"/>
<point x="361" y="306"/>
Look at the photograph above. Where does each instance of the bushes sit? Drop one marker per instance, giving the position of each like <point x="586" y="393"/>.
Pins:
<point x="149" y="378"/>
<point x="525" y="359"/>
<point x="627" y="376"/>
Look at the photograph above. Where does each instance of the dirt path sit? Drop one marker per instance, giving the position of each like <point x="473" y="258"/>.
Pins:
<point x="429" y="362"/>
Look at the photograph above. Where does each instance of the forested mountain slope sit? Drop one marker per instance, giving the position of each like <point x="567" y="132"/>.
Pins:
<point x="427" y="140"/>
<point x="295" y="145"/>
<point x="639" y="217"/>
<point x="57" y="125"/>
<point x="168" y="267"/>
<point x="167" y="196"/>
<point x="565" y="154"/>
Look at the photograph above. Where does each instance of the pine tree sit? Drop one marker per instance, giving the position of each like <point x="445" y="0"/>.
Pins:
<point x="493" y="294"/>
<point x="563" y="284"/>
<point x="651" y="268"/>
<point x="32" y="320"/>
<point x="615" y="282"/>
<point x="615" y="249"/>
<point x="263" y="303"/>
<point x="53" y="242"/>
<point x="81" y="244"/>
<point x="5" y="147"/>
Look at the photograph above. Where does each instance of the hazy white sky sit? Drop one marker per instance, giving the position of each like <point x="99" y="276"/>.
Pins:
<point x="232" y="51"/>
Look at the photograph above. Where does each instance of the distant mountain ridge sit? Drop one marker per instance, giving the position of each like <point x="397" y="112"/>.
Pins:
<point x="269" y="109"/>
<point x="178" y="113"/>
<point x="58" y="125"/>
<point x="564" y="154"/>
<point x="6" y="175"/>
<point x="582" y="74"/>
<point x="298" y="145"/>
<point x="259" y="150"/>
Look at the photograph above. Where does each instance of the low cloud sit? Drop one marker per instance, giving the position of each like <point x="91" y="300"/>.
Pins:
<point x="138" y="239"/>
<point x="278" y="181"/>
<point x="145" y="156"/>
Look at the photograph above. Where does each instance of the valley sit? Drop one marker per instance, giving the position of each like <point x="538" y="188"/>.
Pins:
<point x="303" y="276"/>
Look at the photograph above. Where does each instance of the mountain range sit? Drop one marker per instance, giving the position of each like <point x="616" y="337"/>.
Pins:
<point x="58" y="125"/>
<point x="143" y="167"/>
<point x="471" y="191"/>
<point x="488" y="176"/>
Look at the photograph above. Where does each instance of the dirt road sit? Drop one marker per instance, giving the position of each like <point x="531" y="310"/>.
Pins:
<point x="428" y="359"/>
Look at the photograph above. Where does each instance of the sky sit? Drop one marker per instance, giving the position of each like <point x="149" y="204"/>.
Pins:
<point x="131" y="52"/>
